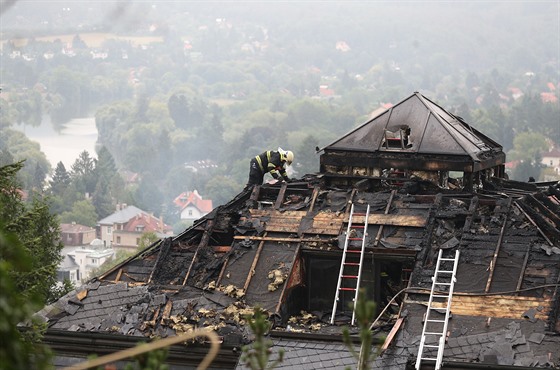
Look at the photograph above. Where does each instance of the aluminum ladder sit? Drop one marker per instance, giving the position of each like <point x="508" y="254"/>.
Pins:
<point x="434" y="331"/>
<point x="348" y="268"/>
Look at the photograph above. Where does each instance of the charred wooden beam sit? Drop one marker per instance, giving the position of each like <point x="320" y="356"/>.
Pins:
<point x="546" y="207"/>
<point x="472" y="214"/>
<point x="253" y="266"/>
<point x="282" y="298"/>
<point x="387" y="209"/>
<point x="281" y="195"/>
<point x="542" y="226"/>
<point x="498" y="246"/>
<point x="285" y="240"/>
<point x="203" y="243"/>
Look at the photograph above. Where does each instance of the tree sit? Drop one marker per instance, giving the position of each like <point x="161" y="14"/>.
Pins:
<point x="306" y="158"/>
<point x="256" y="355"/>
<point x="527" y="145"/>
<point x="38" y="231"/>
<point x="83" y="213"/>
<point x="83" y="173"/>
<point x="18" y="349"/>
<point x="147" y="239"/>
<point x="104" y="197"/>
<point x="60" y="180"/>
<point x="365" y="312"/>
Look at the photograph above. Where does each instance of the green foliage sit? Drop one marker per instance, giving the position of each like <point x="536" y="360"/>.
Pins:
<point x="221" y="189"/>
<point x="364" y="315"/>
<point x="83" y="173"/>
<point x="120" y="256"/>
<point x="37" y="230"/>
<point x="147" y="239"/>
<point x="256" y="355"/>
<point x="18" y="349"/>
<point x="527" y="145"/>
<point x="153" y="360"/>
<point x="60" y="180"/>
<point x="36" y="167"/>
<point x="83" y="213"/>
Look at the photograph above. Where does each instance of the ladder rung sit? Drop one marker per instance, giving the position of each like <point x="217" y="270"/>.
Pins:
<point x="432" y="333"/>
<point x="444" y="272"/>
<point x="434" y="320"/>
<point x="355" y="238"/>
<point x="358" y="226"/>
<point x="354" y="251"/>
<point x="347" y="289"/>
<point x="447" y="259"/>
<point x="431" y="346"/>
<point x="352" y="263"/>
<point x="436" y="283"/>
<point x="429" y="358"/>
<point x="350" y="276"/>
<point x="440" y="296"/>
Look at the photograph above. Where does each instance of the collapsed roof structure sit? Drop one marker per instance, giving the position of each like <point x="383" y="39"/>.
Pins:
<point x="280" y="247"/>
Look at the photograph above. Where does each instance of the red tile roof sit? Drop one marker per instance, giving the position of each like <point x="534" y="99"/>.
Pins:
<point x="193" y="198"/>
<point x="146" y="223"/>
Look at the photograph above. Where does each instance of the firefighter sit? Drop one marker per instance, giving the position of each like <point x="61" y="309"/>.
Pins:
<point x="273" y="162"/>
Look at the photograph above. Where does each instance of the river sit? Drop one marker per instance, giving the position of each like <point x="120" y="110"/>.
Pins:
<point x="76" y="135"/>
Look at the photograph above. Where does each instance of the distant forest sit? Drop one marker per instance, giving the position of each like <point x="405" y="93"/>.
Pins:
<point x="185" y="93"/>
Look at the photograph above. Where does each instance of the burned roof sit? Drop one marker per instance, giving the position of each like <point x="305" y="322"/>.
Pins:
<point x="431" y="130"/>
<point x="279" y="246"/>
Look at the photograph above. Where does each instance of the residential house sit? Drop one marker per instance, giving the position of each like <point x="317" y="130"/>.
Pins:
<point x="286" y="247"/>
<point x="69" y="270"/>
<point x="192" y="206"/>
<point x="124" y="228"/>
<point x="79" y="261"/>
<point x="89" y="258"/>
<point x="75" y="234"/>
<point x="552" y="159"/>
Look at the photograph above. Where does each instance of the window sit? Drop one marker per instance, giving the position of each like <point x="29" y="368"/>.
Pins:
<point x="109" y="229"/>
<point x="94" y="261"/>
<point x="137" y="241"/>
<point x="118" y="240"/>
<point x="399" y="139"/>
<point x="190" y="212"/>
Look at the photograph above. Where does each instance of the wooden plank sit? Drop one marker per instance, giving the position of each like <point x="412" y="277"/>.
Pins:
<point x="221" y="248"/>
<point x="280" y="301"/>
<point x="281" y="195"/>
<point x="203" y="243"/>
<point x="498" y="245"/>
<point x="392" y="333"/>
<point x="512" y="307"/>
<point x="313" y="199"/>
<point x="273" y="212"/>
<point x="253" y="266"/>
<point x="392" y="219"/>
<point x="285" y="240"/>
<point x="523" y="268"/>
<point x="119" y="275"/>
<point x="222" y="272"/>
<point x="387" y="209"/>
<point x="166" y="311"/>
<point x="534" y="224"/>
